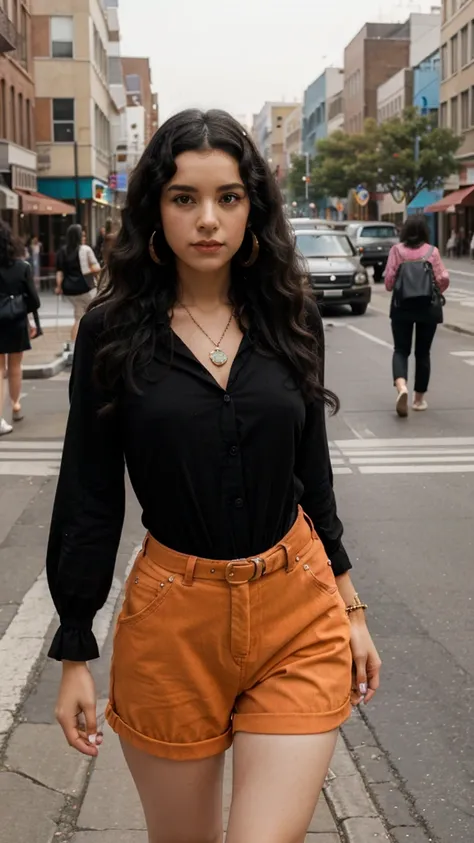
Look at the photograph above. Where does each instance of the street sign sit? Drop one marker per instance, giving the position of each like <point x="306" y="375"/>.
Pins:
<point x="398" y="196"/>
<point x="362" y="195"/>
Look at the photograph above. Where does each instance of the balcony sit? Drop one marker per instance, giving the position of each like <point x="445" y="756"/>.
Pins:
<point x="8" y="35"/>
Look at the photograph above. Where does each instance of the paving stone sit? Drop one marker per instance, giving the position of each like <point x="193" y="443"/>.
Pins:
<point x="393" y="804"/>
<point x="322" y="838"/>
<point x="342" y="763"/>
<point x="111" y="803"/>
<point x="356" y="732"/>
<point x="410" y="835"/>
<point x="7" y="613"/>
<point x="28" y="809"/>
<point x="348" y="798"/>
<point x="365" y="830"/>
<point x="373" y="764"/>
<point x="41" y="752"/>
<point x="322" y="821"/>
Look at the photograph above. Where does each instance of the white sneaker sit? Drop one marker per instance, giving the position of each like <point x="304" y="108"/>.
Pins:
<point x="402" y="403"/>
<point x="420" y="406"/>
<point x="5" y="427"/>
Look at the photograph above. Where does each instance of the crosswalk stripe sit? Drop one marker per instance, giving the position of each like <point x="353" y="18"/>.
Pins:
<point x="417" y="469"/>
<point x="27" y="445"/>
<point x="448" y="441"/>
<point x="410" y="461"/>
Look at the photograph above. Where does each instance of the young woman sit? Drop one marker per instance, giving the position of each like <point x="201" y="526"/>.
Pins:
<point x="76" y="272"/>
<point x="18" y="298"/>
<point x="199" y="366"/>
<point x="414" y="246"/>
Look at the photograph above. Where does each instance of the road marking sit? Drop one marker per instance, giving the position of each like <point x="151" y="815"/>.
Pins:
<point x="462" y="353"/>
<point x="410" y="456"/>
<point x="413" y="460"/>
<point x="417" y="469"/>
<point x="370" y="337"/>
<point x="30" y="459"/>
<point x="448" y="442"/>
<point x="22" y="642"/>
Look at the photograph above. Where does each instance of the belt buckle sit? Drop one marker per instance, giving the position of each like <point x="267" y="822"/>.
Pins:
<point x="260" y="568"/>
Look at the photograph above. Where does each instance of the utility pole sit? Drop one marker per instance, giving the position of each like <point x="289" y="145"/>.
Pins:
<point x="76" y="181"/>
<point x="307" y="176"/>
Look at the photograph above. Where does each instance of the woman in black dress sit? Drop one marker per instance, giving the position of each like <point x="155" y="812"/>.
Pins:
<point x="15" y="281"/>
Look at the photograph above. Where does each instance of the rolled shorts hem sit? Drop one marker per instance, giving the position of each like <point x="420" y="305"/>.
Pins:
<point x="292" y="724"/>
<point x="162" y="749"/>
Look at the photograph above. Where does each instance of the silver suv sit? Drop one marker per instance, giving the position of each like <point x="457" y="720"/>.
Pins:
<point x="373" y="241"/>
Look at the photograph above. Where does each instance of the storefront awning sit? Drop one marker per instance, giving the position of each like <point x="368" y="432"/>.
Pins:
<point x="448" y="203"/>
<point x="38" y="203"/>
<point x="8" y="199"/>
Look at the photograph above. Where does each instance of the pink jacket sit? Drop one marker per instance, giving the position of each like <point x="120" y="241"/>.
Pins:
<point x="400" y="252"/>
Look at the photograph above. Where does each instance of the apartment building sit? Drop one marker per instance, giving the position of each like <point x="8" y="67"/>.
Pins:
<point x="268" y="134"/>
<point x="378" y="52"/>
<point x="74" y="108"/>
<point x="322" y="92"/>
<point x="457" y="78"/>
<point x="293" y="134"/>
<point x="395" y="95"/>
<point x="17" y="134"/>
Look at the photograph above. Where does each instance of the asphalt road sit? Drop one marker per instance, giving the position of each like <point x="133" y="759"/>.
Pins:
<point x="405" y="491"/>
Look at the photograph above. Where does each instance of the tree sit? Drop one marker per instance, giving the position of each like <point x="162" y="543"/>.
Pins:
<point x="295" y="185"/>
<point x="415" y="154"/>
<point x="406" y="155"/>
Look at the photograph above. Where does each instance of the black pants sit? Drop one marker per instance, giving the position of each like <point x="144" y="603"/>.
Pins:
<point x="403" y="337"/>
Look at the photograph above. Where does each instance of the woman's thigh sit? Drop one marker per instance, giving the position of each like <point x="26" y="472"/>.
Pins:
<point x="277" y="782"/>
<point x="182" y="800"/>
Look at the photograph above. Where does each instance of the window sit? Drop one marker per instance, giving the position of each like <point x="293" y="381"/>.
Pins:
<point x="472" y="40"/>
<point x="29" y="140"/>
<point x="443" y="115"/>
<point x="3" y="110"/>
<point x="444" y="61"/>
<point x="13" y="136"/>
<point x="132" y="83"/>
<point x="62" y="37"/>
<point x="465" y="110"/>
<point x="21" y="139"/>
<point x="454" y="54"/>
<point x="472" y="106"/>
<point x="63" y="120"/>
<point x="115" y="70"/>
<point x="464" y="46"/>
<point x="454" y="115"/>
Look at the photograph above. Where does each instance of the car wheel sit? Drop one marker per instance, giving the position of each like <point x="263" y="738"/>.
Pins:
<point x="378" y="274"/>
<point x="359" y="308"/>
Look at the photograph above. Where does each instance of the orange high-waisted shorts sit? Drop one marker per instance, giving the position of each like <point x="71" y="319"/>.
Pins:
<point x="206" y="648"/>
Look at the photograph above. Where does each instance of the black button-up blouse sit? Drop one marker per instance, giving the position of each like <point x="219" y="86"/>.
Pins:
<point x="218" y="473"/>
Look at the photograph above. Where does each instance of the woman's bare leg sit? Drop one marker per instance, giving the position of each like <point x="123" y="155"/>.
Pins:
<point x="277" y="783"/>
<point x="182" y="800"/>
<point x="15" y="378"/>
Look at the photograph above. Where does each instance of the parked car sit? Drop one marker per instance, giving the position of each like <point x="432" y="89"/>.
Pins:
<point x="300" y="223"/>
<point x="335" y="273"/>
<point x="373" y="241"/>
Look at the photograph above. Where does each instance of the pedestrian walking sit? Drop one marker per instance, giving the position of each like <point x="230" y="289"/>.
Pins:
<point x="417" y="278"/>
<point x="471" y="248"/>
<point x="35" y="252"/>
<point x="201" y="365"/>
<point x="452" y="244"/>
<point x="18" y="298"/>
<point x="76" y="273"/>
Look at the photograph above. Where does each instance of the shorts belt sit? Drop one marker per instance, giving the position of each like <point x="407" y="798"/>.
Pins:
<point x="235" y="571"/>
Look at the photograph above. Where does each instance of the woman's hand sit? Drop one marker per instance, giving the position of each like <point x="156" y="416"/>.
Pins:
<point x="366" y="660"/>
<point x="58" y="291"/>
<point x="32" y="331"/>
<point x="76" y="703"/>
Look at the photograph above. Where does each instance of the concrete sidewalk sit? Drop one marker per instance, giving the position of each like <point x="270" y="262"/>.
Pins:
<point x="47" y="357"/>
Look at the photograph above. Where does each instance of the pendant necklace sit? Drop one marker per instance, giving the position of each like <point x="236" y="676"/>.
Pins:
<point x="217" y="356"/>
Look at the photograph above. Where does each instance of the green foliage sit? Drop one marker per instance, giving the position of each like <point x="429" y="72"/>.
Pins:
<point x="408" y="153"/>
<point x="295" y="186"/>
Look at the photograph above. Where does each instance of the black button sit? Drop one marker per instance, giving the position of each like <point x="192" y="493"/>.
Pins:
<point x="234" y="451"/>
<point x="239" y="503"/>
<point x="227" y="398"/>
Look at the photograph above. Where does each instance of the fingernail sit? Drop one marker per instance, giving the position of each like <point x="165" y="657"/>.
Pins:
<point x="92" y="739"/>
<point x="363" y="688"/>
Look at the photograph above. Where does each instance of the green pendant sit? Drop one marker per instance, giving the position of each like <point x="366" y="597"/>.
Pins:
<point x="218" y="357"/>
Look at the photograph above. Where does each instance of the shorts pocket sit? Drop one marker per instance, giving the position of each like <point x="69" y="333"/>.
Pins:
<point x="146" y="589"/>
<point x="317" y="567"/>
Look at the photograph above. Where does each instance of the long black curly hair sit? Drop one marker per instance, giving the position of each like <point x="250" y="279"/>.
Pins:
<point x="270" y="296"/>
<point x="8" y="249"/>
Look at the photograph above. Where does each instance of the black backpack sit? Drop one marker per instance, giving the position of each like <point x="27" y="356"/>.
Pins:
<point x="415" y="286"/>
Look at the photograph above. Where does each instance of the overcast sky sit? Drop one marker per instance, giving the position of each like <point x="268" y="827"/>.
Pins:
<point x="235" y="54"/>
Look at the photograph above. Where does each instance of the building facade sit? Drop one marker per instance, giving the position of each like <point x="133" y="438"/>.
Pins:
<point x="395" y="95"/>
<point x="268" y="134"/>
<point x="293" y="134"/>
<point x="17" y="129"/>
<point x="335" y="102"/>
<point x="74" y="108"/>
<point x="376" y="53"/>
<point x="118" y="122"/>
<point x="324" y="92"/>
<point x="138" y="86"/>
<point x="457" y="78"/>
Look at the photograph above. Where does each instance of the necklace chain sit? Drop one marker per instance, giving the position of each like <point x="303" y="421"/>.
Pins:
<point x="216" y="345"/>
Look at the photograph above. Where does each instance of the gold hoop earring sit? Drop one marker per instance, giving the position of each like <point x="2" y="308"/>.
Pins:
<point x="151" y="249"/>
<point x="254" y="253"/>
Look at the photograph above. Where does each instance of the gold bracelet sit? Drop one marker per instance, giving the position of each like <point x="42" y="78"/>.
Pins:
<point x="356" y="605"/>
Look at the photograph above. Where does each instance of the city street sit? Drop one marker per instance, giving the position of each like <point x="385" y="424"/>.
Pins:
<point x="405" y="491"/>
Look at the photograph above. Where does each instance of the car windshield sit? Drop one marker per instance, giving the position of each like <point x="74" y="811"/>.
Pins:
<point x="324" y="245"/>
<point x="378" y="231"/>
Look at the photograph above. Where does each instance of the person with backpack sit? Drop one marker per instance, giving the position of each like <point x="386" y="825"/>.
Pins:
<point x="417" y="279"/>
<point x="76" y="271"/>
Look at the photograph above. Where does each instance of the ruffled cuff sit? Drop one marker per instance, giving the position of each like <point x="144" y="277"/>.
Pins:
<point x="74" y="642"/>
<point x="340" y="562"/>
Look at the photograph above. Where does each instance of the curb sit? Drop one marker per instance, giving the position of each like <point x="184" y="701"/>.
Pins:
<point x="459" y="330"/>
<point x="46" y="370"/>
<point x="365" y="794"/>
